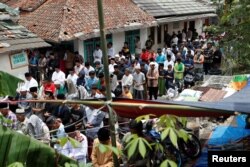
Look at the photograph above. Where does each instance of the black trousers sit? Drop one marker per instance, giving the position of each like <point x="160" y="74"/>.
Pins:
<point x="153" y="91"/>
<point x="207" y="67"/>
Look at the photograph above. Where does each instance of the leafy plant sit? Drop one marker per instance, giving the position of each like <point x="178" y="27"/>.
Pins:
<point x="104" y="148"/>
<point x="235" y="22"/>
<point x="170" y="127"/>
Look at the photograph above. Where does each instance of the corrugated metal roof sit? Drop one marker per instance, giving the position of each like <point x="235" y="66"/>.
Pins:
<point x="174" y="19"/>
<point x="15" y="37"/>
<point x="166" y="8"/>
<point x="213" y="95"/>
<point x="29" y="45"/>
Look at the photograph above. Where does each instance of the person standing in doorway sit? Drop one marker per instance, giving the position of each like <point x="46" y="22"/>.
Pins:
<point x="97" y="54"/>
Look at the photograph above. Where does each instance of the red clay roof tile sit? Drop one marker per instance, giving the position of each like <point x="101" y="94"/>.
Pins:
<point x="60" y="20"/>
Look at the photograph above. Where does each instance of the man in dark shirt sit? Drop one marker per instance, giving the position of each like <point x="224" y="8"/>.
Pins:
<point x="118" y="74"/>
<point x="77" y="113"/>
<point x="62" y="111"/>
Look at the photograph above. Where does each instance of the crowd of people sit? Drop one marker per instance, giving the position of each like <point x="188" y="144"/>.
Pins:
<point x="145" y="75"/>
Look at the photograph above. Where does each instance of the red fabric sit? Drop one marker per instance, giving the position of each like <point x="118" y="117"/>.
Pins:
<point x="50" y="87"/>
<point x="62" y="66"/>
<point x="145" y="56"/>
<point x="125" y="108"/>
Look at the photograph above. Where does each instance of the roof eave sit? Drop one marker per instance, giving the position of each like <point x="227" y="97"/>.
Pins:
<point x="96" y="33"/>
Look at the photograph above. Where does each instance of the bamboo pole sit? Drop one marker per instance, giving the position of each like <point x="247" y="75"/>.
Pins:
<point x="102" y="104"/>
<point x="107" y="78"/>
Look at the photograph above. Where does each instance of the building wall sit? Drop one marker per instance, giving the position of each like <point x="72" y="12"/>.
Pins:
<point x="6" y="67"/>
<point x="118" y="41"/>
<point x="143" y="36"/>
<point x="119" y="38"/>
<point x="178" y="26"/>
<point x="79" y="46"/>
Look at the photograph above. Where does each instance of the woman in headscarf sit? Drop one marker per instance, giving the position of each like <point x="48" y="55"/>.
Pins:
<point x="38" y="129"/>
<point x="71" y="89"/>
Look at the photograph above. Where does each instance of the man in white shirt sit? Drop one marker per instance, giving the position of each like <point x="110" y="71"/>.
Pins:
<point x="111" y="51"/>
<point x="175" y="39"/>
<point x="72" y="76"/>
<point x="30" y="81"/>
<point x="78" y="67"/>
<point x="127" y="79"/>
<point x="80" y="152"/>
<point x="168" y="51"/>
<point x="167" y="62"/>
<point x="59" y="76"/>
<point x="139" y="80"/>
<point x="97" y="54"/>
<point x="111" y="65"/>
<point x="87" y="69"/>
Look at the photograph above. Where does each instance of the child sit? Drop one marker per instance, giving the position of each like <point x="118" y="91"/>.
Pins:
<point x="126" y="92"/>
<point x="161" y="80"/>
<point x="169" y="77"/>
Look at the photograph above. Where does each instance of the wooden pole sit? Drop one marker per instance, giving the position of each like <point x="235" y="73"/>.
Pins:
<point x="107" y="78"/>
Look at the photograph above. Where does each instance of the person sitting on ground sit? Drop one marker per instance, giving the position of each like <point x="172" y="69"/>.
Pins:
<point x="77" y="114"/>
<point x="100" y="159"/>
<point x="38" y="129"/>
<point x="95" y="93"/>
<point x="80" y="152"/>
<point x="62" y="110"/>
<point x="91" y="80"/>
<point x="22" y="121"/>
<point x="8" y="114"/>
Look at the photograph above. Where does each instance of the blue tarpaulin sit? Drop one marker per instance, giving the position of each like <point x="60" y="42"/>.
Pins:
<point x="224" y="135"/>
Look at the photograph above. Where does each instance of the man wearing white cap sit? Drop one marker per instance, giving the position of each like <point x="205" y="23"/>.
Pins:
<point x="22" y="121"/>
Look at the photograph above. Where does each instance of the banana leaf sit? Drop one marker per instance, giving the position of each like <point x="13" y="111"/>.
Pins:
<point x="8" y="84"/>
<point x="16" y="147"/>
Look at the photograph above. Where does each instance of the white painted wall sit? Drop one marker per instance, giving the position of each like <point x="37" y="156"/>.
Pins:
<point x="118" y="41"/>
<point x="79" y="46"/>
<point x="6" y="67"/>
<point x="198" y="25"/>
<point x="143" y="36"/>
<point x="171" y="29"/>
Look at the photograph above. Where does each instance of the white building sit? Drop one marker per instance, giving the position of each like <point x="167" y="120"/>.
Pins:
<point x="176" y="15"/>
<point x="76" y="22"/>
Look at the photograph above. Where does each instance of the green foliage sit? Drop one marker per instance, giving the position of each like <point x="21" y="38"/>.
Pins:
<point x="170" y="127"/>
<point x="235" y="22"/>
<point x="168" y="163"/>
<point x="137" y="143"/>
<point x="104" y="148"/>
<point x="16" y="164"/>
<point x="4" y="120"/>
<point x="16" y="147"/>
<point x="70" y="165"/>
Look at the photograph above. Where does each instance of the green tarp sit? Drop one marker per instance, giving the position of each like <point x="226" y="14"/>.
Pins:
<point x="8" y="84"/>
